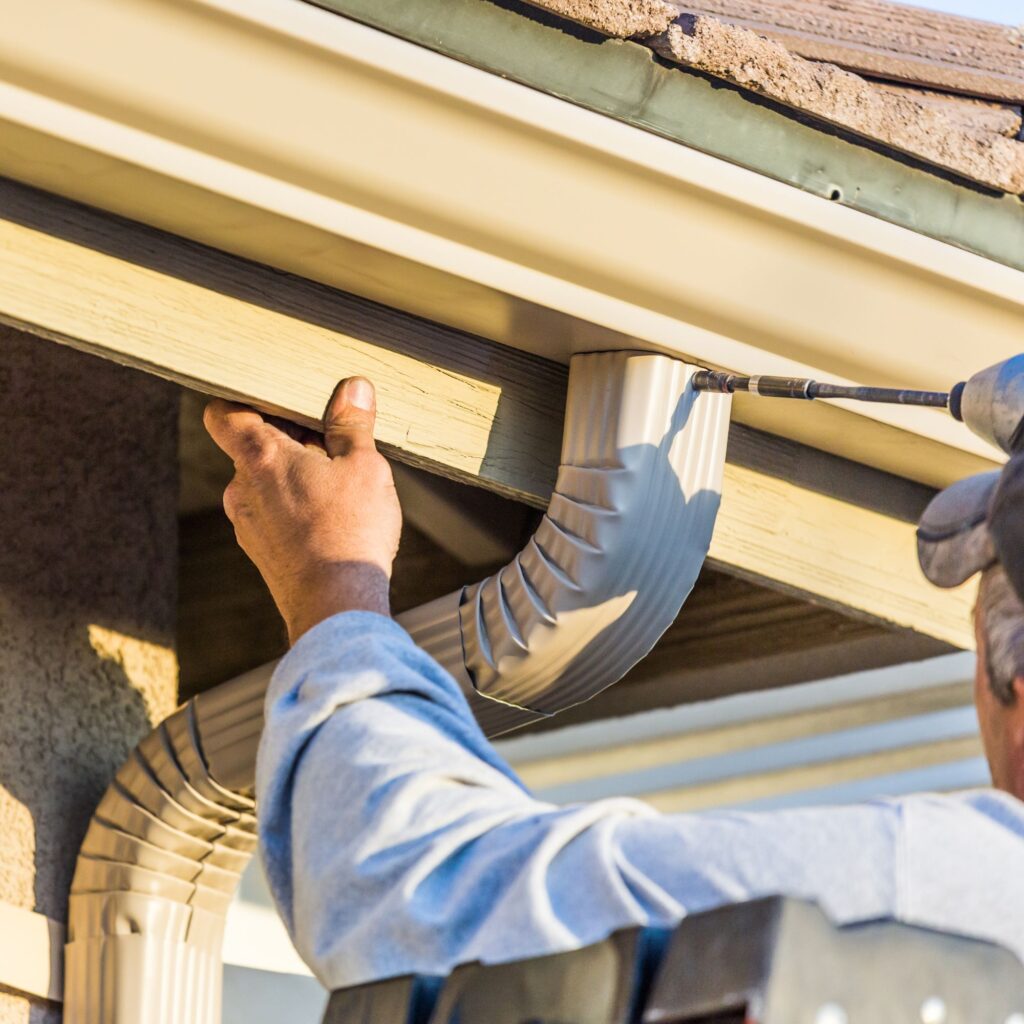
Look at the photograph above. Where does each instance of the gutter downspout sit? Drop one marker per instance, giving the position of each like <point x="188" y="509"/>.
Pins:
<point x="623" y="540"/>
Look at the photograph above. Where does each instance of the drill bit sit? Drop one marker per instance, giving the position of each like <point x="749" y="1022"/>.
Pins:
<point x="803" y="387"/>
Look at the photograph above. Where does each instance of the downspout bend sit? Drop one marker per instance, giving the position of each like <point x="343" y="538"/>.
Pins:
<point x="616" y="554"/>
<point x="618" y="551"/>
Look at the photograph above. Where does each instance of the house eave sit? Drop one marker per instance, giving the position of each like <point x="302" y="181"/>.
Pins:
<point x="384" y="169"/>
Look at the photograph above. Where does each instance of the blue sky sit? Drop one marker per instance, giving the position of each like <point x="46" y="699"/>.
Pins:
<point x="1010" y="12"/>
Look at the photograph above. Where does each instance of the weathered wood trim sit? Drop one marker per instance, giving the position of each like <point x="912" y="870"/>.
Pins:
<point x="450" y="402"/>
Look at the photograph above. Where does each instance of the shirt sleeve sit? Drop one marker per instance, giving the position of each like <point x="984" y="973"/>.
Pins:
<point x="396" y="840"/>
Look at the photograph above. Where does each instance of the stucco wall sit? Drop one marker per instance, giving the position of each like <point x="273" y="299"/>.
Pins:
<point x="88" y="565"/>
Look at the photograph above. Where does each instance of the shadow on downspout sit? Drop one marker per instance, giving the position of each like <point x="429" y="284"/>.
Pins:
<point x="626" y="532"/>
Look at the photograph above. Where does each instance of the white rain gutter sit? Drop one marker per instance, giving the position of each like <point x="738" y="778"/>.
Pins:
<point x="298" y="138"/>
<point x="624" y="537"/>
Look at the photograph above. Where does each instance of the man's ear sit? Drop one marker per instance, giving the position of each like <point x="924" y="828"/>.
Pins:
<point x="1018" y="692"/>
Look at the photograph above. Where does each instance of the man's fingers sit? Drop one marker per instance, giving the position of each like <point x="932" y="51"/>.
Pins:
<point x="239" y="431"/>
<point x="300" y="435"/>
<point x="349" y="417"/>
<point x="348" y="423"/>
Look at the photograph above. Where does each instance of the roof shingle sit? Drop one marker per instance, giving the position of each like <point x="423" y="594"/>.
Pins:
<point x="888" y="40"/>
<point x="921" y="83"/>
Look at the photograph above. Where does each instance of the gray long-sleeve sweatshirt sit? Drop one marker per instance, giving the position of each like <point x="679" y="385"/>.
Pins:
<point x="396" y="840"/>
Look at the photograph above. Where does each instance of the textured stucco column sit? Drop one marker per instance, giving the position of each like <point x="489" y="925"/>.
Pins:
<point x="88" y="559"/>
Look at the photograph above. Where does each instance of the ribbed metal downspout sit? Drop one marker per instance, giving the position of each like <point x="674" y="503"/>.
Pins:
<point x="157" y="870"/>
<point x="618" y="551"/>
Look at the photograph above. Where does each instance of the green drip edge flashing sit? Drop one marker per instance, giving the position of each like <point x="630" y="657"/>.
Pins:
<point x="627" y="81"/>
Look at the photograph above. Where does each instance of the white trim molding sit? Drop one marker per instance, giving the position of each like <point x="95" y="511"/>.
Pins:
<point x="31" y="953"/>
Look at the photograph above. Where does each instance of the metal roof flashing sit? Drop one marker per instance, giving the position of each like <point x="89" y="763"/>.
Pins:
<point x="621" y="78"/>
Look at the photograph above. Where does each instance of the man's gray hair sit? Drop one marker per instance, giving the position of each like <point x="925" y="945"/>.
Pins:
<point x="1002" y="619"/>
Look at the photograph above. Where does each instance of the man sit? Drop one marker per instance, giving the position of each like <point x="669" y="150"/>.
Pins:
<point x="395" y="839"/>
<point x="977" y="525"/>
<point x="999" y="679"/>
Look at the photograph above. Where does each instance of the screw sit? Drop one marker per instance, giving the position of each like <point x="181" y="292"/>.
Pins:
<point x="933" y="1011"/>
<point x="830" y="1013"/>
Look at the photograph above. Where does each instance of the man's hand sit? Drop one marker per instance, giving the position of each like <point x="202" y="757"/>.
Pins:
<point x="319" y="518"/>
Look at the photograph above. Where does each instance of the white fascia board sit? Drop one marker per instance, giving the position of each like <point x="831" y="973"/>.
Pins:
<point x="290" y="135"/>
<point x="847" y="728"/>
<point x="31" y="952"/>
<point x="894" y="681"/>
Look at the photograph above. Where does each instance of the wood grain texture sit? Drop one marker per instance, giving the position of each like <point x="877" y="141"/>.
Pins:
<point x="888" y="40"/>
<point x="859" y="559"/>
<point x="475" y="525"/>
<point x="450" y="402"/>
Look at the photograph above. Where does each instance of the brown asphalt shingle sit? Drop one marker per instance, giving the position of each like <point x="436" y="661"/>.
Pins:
<point x="890" y="40"/>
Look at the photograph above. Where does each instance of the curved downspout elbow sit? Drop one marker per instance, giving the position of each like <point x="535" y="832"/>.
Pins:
<point x="157" y="870"/>
<point x="626" y="532"/>
<point x="618" y="551"/>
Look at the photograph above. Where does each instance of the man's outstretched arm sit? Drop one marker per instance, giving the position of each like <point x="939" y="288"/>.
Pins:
<point x="397" y="841"/>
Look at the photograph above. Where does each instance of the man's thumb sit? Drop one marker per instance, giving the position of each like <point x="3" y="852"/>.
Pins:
<point x="349" y="417"/>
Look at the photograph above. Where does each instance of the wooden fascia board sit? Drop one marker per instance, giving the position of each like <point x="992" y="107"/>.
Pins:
<point x="453" y="403"/>
<point x="395" y="173"/>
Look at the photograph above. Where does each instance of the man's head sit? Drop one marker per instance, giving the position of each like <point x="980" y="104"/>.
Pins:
<point x="977" y="525"/>
<point x="999" y="678"/>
